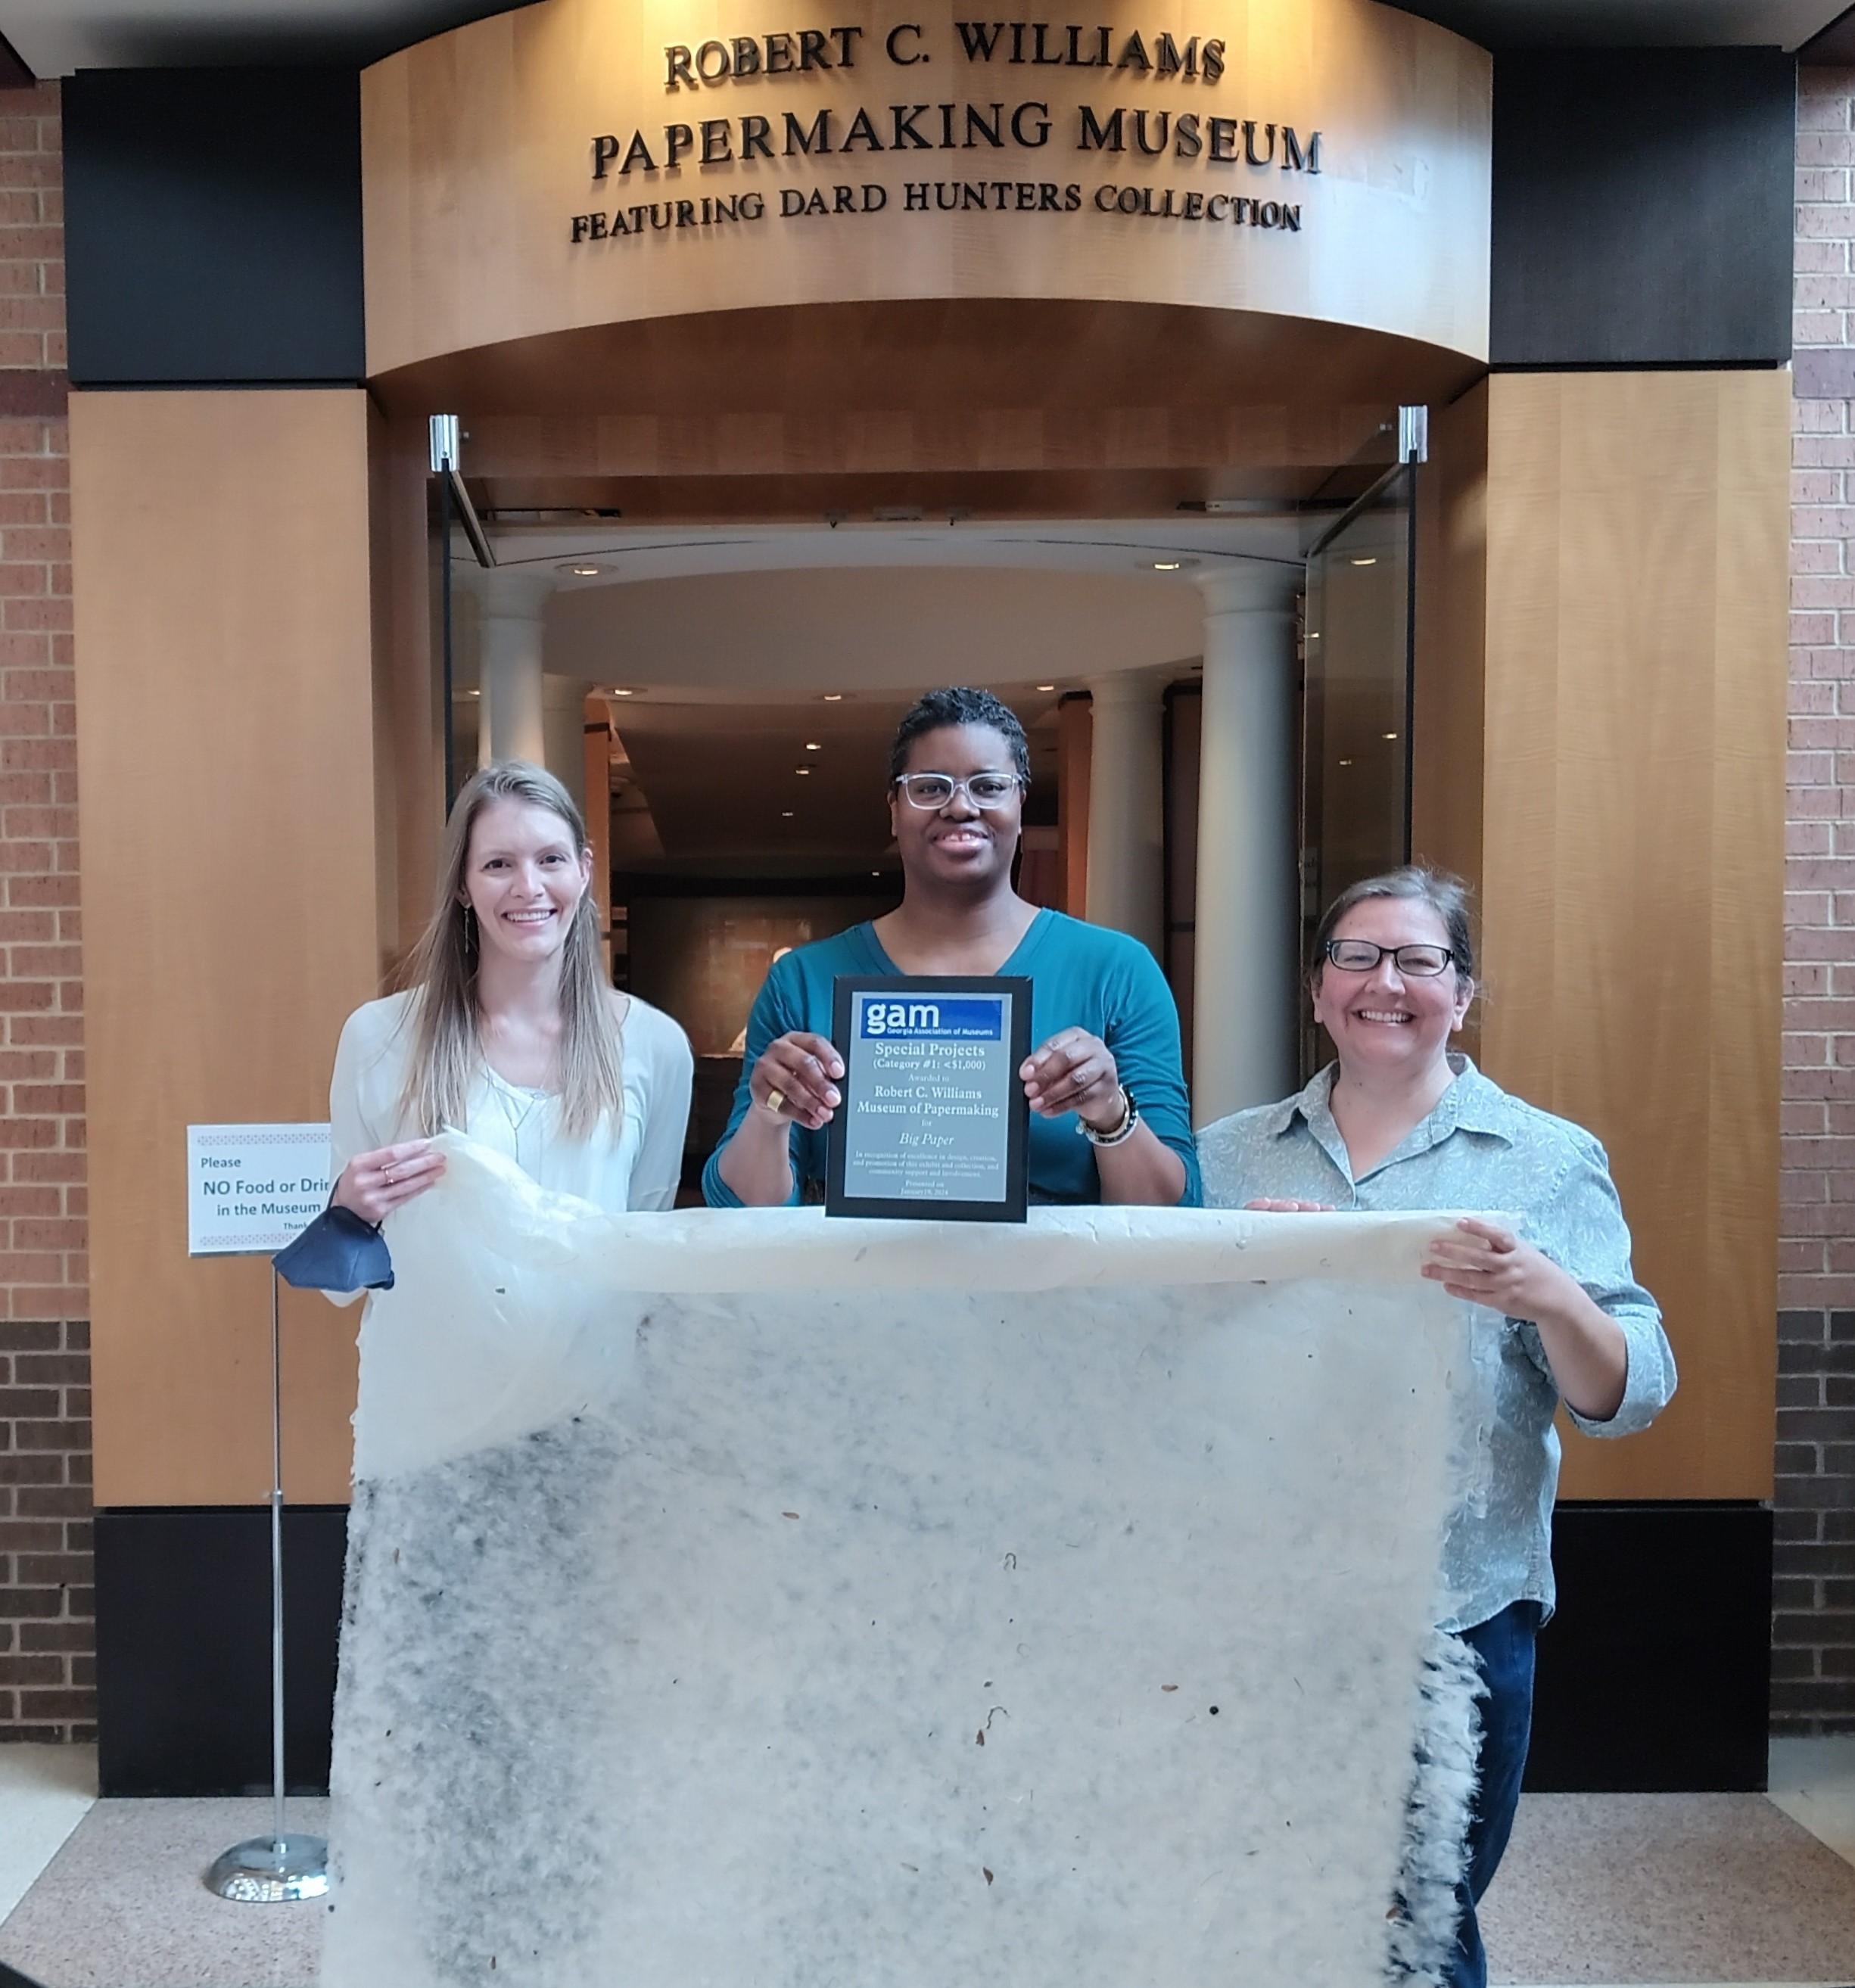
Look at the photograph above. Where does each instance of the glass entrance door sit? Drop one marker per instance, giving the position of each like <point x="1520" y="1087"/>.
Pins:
<point x="454" y="539"/>
<point x="443" y="490"/>
<point x="1358" y="655"/>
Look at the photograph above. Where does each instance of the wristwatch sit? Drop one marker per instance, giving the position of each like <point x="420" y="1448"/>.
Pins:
<point x="1130" y="1117"/>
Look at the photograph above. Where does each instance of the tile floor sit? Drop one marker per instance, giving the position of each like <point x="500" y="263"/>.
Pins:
<point x="1598" y="1891"/>
<point x="44" y="1792"/>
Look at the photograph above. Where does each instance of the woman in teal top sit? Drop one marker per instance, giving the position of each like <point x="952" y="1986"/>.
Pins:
<point x="1109" y="1121"/>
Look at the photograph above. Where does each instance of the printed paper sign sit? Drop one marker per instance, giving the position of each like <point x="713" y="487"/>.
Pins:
<point x="252" y="1189"/>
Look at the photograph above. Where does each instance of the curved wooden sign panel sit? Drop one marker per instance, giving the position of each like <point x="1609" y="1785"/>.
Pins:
<point x="586" y="162"/>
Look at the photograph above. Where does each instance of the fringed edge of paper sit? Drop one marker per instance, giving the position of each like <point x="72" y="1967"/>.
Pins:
<point x="1423" y="1923"/>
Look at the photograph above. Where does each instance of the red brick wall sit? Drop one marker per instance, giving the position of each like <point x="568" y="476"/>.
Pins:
<point x="48" y="1674"/>
<point x="46" y="1634"/>
<point x="1813" y="1626"/>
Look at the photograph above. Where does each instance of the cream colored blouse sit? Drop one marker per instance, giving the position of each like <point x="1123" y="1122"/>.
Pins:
<point x="636" y="1166"/>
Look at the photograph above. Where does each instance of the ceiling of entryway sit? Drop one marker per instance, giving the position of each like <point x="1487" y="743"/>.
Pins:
<point x="730" y="659"/>
<point x="1619" y="24"/>
<point x="54" y="37"/>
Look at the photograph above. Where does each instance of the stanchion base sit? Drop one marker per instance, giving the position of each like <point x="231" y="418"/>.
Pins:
<point x="272" y="1870"/>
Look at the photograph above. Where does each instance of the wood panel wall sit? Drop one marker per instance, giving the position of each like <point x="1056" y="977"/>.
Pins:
<point x="226" y="724"/>
<point x="477" y="155"/>
<point x="1448" y="687"/>
<point x="1041" y="411"/>
<point x="1600" y="731"/>
<point x="1624" y="818"/>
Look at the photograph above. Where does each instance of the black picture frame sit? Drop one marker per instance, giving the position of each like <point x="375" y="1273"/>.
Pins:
<point x="1013" y="1207"/>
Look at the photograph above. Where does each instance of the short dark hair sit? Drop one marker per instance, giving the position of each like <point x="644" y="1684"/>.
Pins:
<point x="1446" y="895"/>
<point x="959" y="705"/>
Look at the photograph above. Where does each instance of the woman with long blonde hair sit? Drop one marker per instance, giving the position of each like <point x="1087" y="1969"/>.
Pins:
<point x="506" y="1029"/>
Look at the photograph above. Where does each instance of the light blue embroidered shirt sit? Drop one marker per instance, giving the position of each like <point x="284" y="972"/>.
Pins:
<point x="1479" y="1148"/>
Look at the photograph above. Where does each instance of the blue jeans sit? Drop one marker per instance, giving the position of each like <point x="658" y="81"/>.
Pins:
<point x="1504" y="1647"/>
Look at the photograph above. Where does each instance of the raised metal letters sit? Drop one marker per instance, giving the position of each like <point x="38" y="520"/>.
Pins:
<point x="1205" y="140"/>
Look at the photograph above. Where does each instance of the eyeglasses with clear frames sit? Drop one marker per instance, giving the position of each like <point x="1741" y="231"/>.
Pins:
<point x="1360" y="956"/>
<point x="936" y="790"/>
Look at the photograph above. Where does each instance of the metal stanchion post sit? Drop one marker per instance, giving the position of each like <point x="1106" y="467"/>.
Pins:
<point x="270" y="1870"/>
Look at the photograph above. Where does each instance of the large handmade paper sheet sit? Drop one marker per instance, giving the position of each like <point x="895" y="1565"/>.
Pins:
<point x="744" y="1600"/>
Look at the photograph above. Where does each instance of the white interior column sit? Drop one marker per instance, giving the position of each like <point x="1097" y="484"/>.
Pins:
<point x="1246" y="987"/>
<point x="564" y="719"/>
<point x="514" y="607"/>
<point x="1127" y="808"/>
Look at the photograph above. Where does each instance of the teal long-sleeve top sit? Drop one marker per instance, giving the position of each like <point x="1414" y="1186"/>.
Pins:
<point x="1081" y="976"/>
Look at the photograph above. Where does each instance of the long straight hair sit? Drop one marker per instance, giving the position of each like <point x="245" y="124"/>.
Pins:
<point x="447" y="1046"/>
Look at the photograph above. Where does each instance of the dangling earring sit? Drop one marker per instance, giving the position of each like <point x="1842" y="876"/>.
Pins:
<point x="470" y="929"/>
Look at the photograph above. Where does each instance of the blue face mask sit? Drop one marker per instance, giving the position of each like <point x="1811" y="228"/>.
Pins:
<point x="338" y="1251"/>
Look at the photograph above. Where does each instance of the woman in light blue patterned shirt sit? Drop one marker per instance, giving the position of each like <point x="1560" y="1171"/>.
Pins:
<point x="1400" y="1121"/>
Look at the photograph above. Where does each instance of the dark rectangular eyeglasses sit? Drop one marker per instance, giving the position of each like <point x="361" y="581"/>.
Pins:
<point x="1360" y="956"/>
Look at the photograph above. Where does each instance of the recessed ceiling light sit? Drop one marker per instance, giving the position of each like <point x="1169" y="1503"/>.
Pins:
<point x="1391" y="735"/>
<point x="580" y="569"/>
<point x="785" y="814"/>
<point x="812" y="746"/>
<point x="1345" y="762"/>
<point x="833" y="697"/>
<point x="801" y="771"/>
<point x="875" y="872"/>
<point x="476" y="693"/>
<point x="620" y="690"/>
<point x="1046" y="686"/>
<point x="1364" y="562"/>
<point x="1173" y="565"/>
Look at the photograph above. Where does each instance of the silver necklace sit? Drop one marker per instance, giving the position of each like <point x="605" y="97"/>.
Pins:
<point x="516" y="1120"/>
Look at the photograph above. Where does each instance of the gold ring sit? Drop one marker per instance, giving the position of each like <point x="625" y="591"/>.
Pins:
<point x="776" y="1102"/>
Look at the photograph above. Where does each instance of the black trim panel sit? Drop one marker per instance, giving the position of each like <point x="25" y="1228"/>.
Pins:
<point x="183" y="1649"/>
<point x="1832" y="46"/>
<point x="1642" y="208"/>
<point x="212" y="227"/>
<point x="1655" y="1674"/>
<point x="14" y="74"/>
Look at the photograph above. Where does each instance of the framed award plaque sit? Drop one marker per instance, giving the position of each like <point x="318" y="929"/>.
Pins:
<point x="934" y="1126"/>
